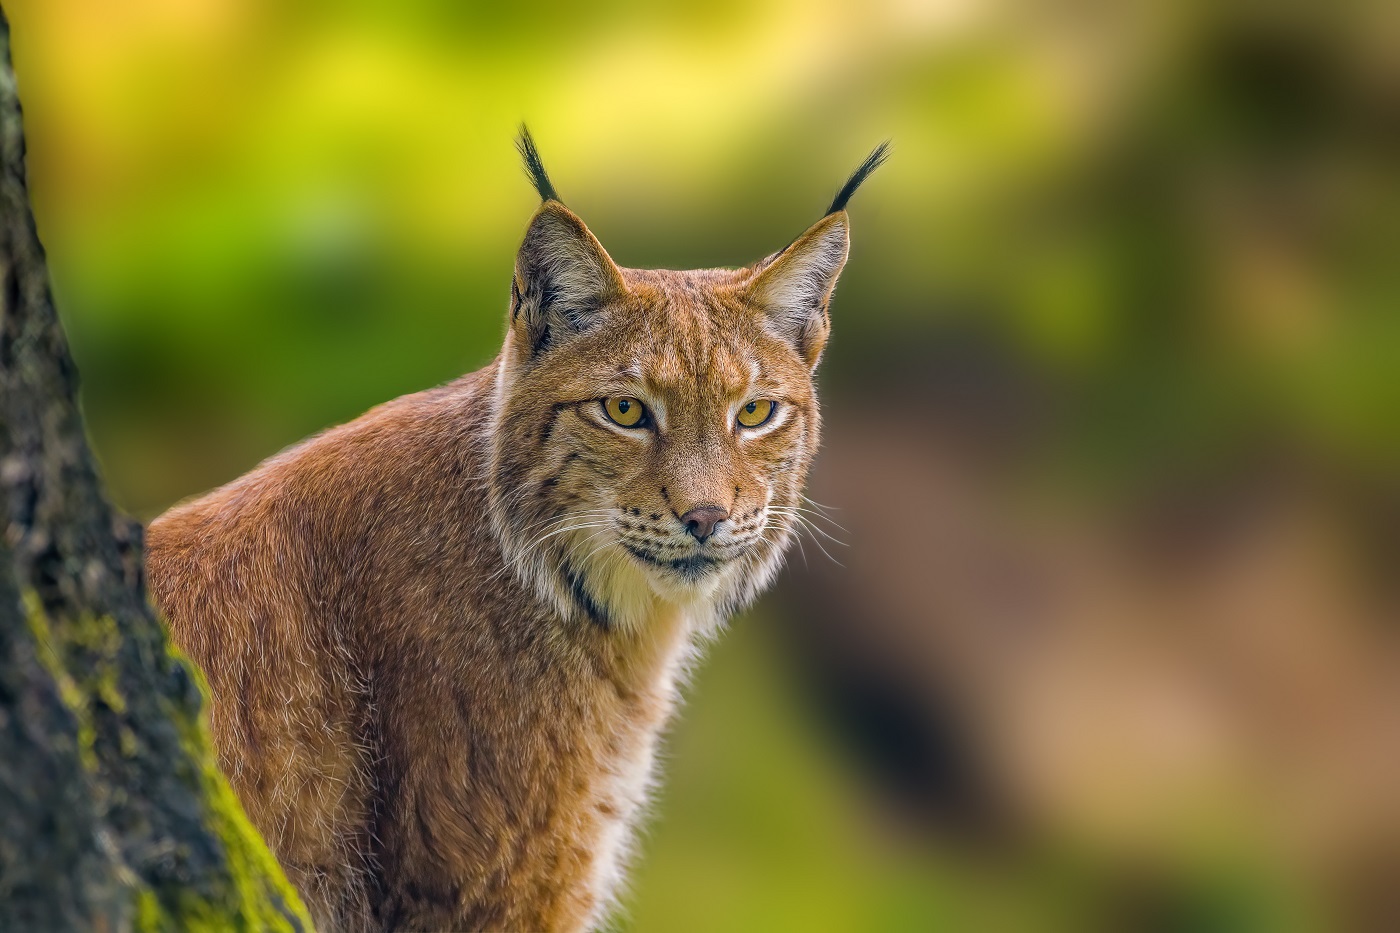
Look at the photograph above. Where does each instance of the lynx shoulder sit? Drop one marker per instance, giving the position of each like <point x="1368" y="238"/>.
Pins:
<point x="441" y="641"/>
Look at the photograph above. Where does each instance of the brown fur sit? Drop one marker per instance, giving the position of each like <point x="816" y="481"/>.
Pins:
<point x="442" y="640"/>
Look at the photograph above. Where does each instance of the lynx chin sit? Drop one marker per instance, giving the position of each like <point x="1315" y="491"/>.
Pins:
<point x="442" y="640"/>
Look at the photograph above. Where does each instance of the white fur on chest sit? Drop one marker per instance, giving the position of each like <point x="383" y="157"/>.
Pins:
<point x="623" y="790"/>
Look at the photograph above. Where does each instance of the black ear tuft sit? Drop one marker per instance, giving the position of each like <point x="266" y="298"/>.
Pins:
<point x="873" y="161"/>
<point x="535" y="168"/>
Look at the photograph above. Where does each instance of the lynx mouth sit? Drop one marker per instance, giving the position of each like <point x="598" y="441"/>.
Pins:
<point x="691" y="566"/>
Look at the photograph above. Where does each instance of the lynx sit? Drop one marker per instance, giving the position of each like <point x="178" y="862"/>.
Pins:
<point x="442" y="640"/>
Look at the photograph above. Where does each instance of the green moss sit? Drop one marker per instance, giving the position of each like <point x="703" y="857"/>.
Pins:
<point x="149" y="916"/>
<point x="258" y="896"/>
<point x="97" y="640"/>
<point x="53" y="658"/>
<point x="258" y="881"/>
<point x="191" y="914"/>
<point x="129" y="746"/>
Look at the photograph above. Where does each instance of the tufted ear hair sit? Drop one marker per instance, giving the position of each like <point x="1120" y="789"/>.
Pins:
<point x="793" y="288"/>
<point x="563" y="278"/>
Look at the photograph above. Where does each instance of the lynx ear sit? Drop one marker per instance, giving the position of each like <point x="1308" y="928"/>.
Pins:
<point x="793" y="288"/>
<point x="563" y="278"/>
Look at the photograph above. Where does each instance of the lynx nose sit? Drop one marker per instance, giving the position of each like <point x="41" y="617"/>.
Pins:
<point x="701" y="521"/>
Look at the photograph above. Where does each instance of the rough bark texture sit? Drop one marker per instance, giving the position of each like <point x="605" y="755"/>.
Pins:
<point x="112" y="813"/>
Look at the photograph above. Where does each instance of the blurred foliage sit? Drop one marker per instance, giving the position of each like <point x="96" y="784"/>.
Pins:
<point x="761" y="827"/>
<point x="265" y="217"/>
<point x="1176" y="222"/>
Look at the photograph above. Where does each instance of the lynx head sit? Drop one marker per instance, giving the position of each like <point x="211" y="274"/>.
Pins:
<point x="654" y="428"/>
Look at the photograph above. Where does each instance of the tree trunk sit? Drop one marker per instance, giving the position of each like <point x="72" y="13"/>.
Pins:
<point x="113" y="815"/>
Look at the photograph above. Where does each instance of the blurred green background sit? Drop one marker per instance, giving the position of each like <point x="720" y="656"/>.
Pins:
<point x="1113" y="397"/>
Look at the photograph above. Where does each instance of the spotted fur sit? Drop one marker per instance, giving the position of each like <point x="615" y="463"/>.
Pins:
<point x="442" y="640"/>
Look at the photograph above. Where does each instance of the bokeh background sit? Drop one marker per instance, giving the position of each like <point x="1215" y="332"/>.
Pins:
<point x="1109" y="638"/>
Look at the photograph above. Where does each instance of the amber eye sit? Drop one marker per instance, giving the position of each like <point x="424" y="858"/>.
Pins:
<point x="756" y="412"/>
<point x="625" y="411"/>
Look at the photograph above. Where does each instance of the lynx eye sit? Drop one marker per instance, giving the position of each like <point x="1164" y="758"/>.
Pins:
<point x="756" y="412"/>
<point x="625" y="411"/>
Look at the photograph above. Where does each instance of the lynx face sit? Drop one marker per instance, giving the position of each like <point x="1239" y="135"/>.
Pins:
<point x="655" y="427"/>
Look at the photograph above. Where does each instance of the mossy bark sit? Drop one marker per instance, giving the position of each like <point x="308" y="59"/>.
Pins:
<point x="113" y="815"/>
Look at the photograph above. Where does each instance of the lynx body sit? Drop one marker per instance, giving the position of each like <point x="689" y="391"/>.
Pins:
<point x="442" y="640"/>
